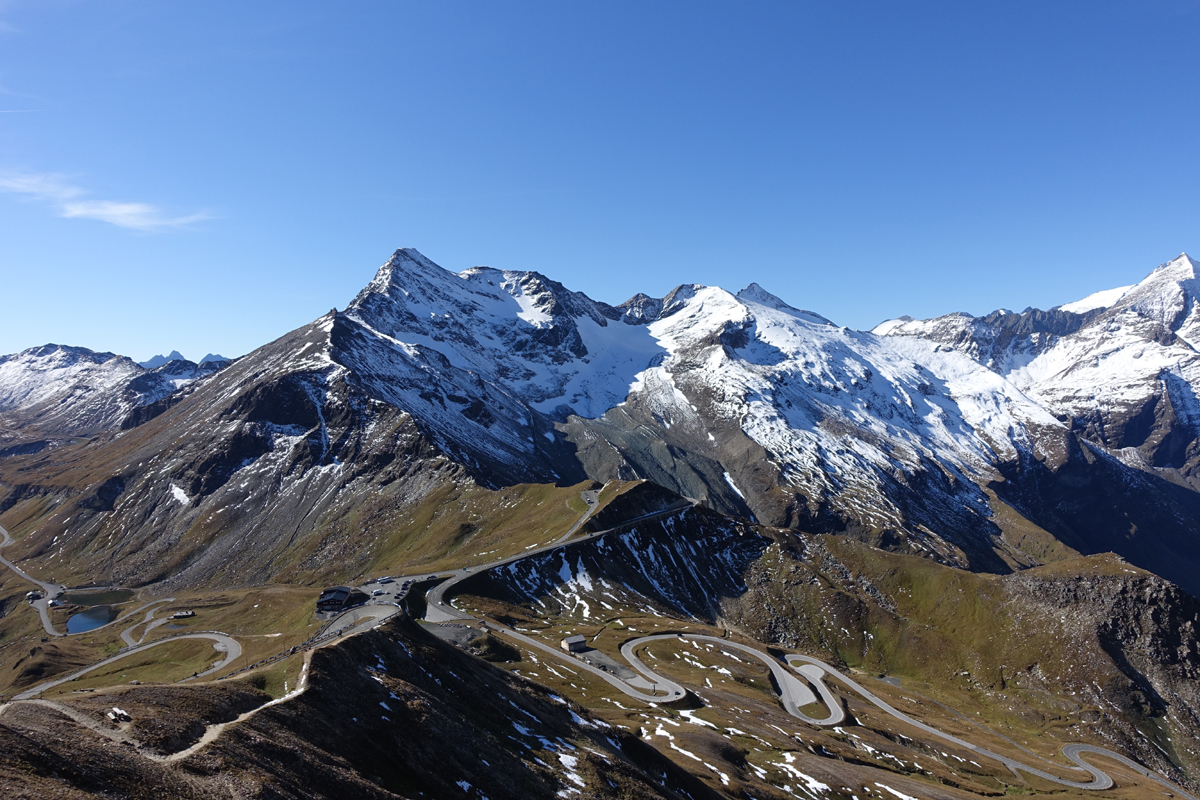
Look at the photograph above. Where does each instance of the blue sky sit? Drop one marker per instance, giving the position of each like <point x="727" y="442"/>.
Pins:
<point x="208" y="176"/>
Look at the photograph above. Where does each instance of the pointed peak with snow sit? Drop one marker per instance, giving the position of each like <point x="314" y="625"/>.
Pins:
<point x="757" y="294"/>
<point x="1180" y="268"/>
<point x="406" y="262"/>
<point x="641" y="309"/>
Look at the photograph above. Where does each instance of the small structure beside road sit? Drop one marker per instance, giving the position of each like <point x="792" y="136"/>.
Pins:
<point x="574" y="644"/>
<point x="339" y="598"/>
<point x="183" y="615"/>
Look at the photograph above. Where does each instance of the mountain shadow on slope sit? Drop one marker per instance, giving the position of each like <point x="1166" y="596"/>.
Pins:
<point x="1095" y="504"/>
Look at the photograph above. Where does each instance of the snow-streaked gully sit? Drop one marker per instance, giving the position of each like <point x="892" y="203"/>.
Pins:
<point x="801" y="679"/>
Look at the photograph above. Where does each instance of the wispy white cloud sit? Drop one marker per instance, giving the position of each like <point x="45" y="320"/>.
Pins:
<point x="69" y="201"/>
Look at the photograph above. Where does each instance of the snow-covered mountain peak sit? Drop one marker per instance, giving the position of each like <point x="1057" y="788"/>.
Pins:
<point x="404" y="263"/>
<point x="1162" y="305"/>
<point x="641" y="309"/>
<point x="757" y="294"/>
<point x="1178" y="273"/>
<point x="72" y="390"/>
<point x="552" y="348"/>
<point x="1182" y="267"/>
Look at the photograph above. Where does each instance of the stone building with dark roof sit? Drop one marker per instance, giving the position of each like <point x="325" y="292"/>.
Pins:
<point x="338" y="598"/>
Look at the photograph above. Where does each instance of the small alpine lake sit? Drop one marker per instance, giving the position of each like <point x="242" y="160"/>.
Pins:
<point x="95" y="597"/>
<point x="92" y="618"/>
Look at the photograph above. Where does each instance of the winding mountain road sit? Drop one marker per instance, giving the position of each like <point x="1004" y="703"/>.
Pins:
<point x="222" y="643"/>
<point x="127" y="634"/>
<point x="650" y="687"/>
<point x="799" y="686"/>
<point x="795" y="695"/>
<point x="49" y="590"/>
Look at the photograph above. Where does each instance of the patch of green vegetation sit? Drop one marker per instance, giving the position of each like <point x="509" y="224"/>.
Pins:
<point x="265" y="620"/>
<point x="1026" y="536"/>
<point x="458" y="525"/>
<point x="165" y="663"/>
<point x="277" y="679"/>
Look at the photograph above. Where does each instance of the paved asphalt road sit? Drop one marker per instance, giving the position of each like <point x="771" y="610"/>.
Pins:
<point x="363" y="618"/>
<point x="49" y="590"/>
<point x="438" y="610"/>
<point x="127" y="634"/>
<point x="794" y="693"/>
<point x="221" y="642"/>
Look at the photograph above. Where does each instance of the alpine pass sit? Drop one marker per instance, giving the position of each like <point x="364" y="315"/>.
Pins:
<point x="404" y="400"/>
<point x="477" y="529"/>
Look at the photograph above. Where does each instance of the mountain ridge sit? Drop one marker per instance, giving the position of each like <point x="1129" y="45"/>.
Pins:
<point x="914" y="440"/>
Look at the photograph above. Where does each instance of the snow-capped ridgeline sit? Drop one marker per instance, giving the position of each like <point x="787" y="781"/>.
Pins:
<point x="43" y="373"/>
<point x="780" y="370"/>
<point x="552" y="347"/>
<point x="1121" y="365"/>
<point x="740" y="400"/>
<point x="546" y="345"/>
<point x="1102" y="299"/>
<point x="75" y="390"/>
<point x="1125" y="339"/>
<point x="1128" y="352"/>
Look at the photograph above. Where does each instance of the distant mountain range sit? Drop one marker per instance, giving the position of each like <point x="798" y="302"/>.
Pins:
<point x="160" y="360"/>
<point x="922" y="436"/>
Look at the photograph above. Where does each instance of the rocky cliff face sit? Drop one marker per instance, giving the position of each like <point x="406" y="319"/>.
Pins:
<point x="685" y="565"/>
<point x="1149" y="684"/>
